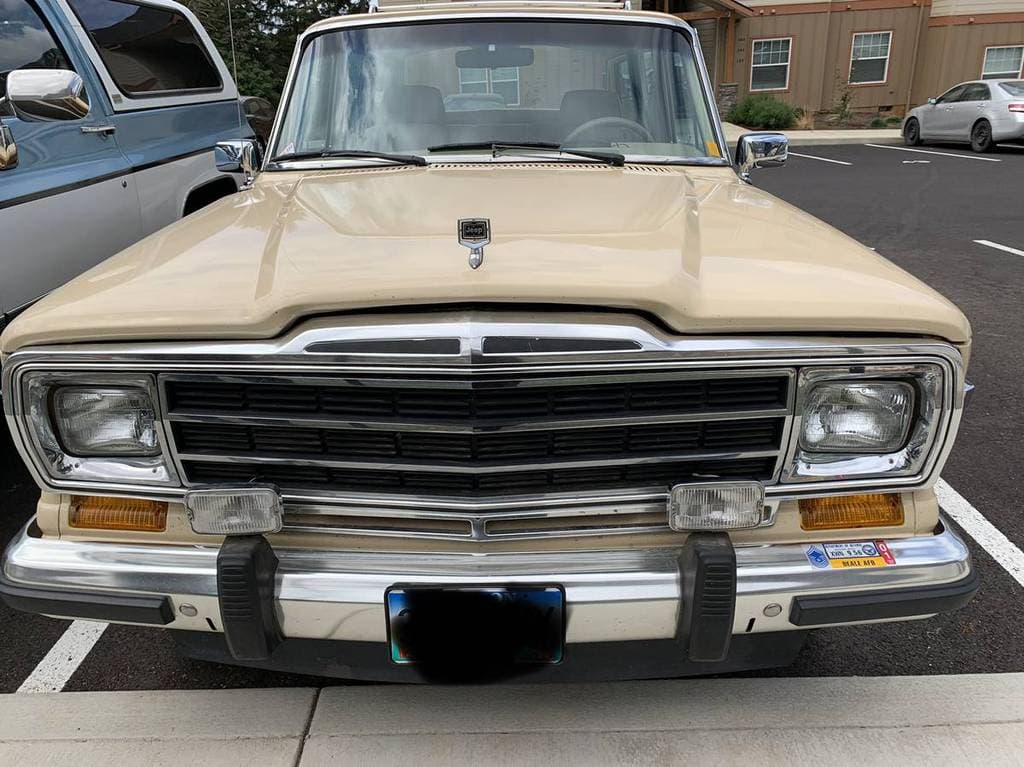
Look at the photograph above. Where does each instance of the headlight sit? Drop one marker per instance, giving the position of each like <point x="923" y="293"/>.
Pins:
<point x="101" y="427"/>
<point x="866" y="422"/>
<point x="857" y="417"/>
<point x="105" y="421"/>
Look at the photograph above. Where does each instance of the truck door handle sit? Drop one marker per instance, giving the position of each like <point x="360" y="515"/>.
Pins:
<point x="101" y="129"/>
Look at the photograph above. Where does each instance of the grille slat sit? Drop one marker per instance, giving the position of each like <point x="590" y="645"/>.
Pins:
<point x="478" y="438"/>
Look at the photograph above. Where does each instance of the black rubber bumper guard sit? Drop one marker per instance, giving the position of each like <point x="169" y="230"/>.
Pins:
<point x="246" y="569"/>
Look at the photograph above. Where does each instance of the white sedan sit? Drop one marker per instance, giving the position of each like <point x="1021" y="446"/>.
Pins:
<point x="981" y="113"/>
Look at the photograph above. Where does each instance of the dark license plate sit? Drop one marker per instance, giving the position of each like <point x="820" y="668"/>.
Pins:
<point x="476" y="625"/>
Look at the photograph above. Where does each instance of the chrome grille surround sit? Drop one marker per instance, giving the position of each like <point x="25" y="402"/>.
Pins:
<point x="477" y="346"/>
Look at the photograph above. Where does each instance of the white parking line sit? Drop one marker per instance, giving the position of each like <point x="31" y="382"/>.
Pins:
<point x="988" y="536"/>
<point x="54" y="671"/>
<point x="929" y="151"/>
<point x="823" y="159"/>
<point x="997" y="246"/>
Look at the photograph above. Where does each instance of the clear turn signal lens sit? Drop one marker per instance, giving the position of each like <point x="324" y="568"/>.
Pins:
<point x="716" y="506"/>
<point x="851" y="511"/>
<point x="234" y="511"/>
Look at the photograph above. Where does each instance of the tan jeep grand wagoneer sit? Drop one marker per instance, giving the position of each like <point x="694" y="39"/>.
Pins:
<point x="499" y="367"/>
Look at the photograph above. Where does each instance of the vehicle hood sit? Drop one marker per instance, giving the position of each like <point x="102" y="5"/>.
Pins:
<point x="694" y="247"/>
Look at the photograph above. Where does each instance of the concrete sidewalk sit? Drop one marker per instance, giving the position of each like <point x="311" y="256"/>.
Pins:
<point x="865" y="721"/>
<point x="826" y="137"/>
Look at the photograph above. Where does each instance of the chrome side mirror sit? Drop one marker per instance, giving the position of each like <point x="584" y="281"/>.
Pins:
<point x="238" y="156"/>
<point x="760" y="150"/>
<point x="47" y="94"/>
<point x="8" y="149"/>
<point x="933" y="101"/>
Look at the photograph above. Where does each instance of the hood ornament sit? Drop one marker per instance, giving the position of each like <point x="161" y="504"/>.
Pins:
<point x="475" y="233"/>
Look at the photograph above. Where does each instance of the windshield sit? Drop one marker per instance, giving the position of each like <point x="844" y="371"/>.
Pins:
<point x="1015" y="88"/>
<point x="413" y="89"/>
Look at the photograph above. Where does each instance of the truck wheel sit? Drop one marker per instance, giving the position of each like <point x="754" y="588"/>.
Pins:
<point x="981" y="137"/>
<point x="912" y="132"/>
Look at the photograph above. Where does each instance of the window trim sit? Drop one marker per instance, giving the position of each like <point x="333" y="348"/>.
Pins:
<point x="121" y="101"/>
<point x="888" y="57"/>
<point x="984" y="58"/>
<point x="789" y="65"/>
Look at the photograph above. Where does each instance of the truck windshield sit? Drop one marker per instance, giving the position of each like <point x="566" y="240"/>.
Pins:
<point x="460" y="87"/>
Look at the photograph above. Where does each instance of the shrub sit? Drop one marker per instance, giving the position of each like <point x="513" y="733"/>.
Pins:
<point x="878" y="122"/>
<point x="764" y="112"/>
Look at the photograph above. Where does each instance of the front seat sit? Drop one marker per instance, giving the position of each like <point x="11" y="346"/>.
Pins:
<point x="582" y="106"/>
<point x="416" y="117"/>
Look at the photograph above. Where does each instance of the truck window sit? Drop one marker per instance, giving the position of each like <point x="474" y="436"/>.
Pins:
<point x="147" y="50"/>
<point x="26" y="41"/>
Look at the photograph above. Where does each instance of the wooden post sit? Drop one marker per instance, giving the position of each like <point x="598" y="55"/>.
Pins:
<point x="730" y="48"/>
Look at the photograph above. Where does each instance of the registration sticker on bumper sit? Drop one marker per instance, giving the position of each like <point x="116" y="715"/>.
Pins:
<point x="850" y="554"/>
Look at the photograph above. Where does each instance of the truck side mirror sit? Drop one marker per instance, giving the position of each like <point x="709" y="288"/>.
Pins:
<point x="238" y="156"/>
<point x="760" y="150"/>
<point x="47" y="94"/>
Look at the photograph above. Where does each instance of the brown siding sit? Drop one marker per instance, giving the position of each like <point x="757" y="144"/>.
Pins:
<point x="807" y="53"/>
<point x="953" y="54"/>
<point x="821" y="54"/>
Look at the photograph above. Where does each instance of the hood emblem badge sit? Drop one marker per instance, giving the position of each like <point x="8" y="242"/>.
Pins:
<point x="475" y="233"/>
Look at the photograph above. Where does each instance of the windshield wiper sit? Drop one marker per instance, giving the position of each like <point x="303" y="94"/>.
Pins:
<point x="398" y="159"/>
<point x="497" y="148"/>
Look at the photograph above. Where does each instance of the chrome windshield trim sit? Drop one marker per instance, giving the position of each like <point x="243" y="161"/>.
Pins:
<point x="652" y="352"/>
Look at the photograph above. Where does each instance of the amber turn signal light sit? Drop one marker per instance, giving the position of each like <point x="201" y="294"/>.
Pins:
<point x="851" y="511"/>
<point x="101" y="513"/>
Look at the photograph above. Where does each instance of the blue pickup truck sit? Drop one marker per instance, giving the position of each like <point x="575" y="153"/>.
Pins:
<point x="109" y="115"/>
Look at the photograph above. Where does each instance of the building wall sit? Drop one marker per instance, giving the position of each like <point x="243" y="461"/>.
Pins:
<point x="942" y="8"/>
<point x="822" y="36"/>
<point x="954" y="48"/>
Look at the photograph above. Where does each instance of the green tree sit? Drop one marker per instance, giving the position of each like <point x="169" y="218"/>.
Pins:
<point x="264" y="35"/>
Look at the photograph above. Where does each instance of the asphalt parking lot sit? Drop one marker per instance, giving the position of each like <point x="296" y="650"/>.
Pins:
<point x="925" y="210"/>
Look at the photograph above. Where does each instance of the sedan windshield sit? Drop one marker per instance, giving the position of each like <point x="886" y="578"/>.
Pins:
<point x="462" y="87"/>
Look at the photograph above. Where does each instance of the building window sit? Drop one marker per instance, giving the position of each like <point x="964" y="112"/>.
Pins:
<point x="147" y="50"/>
<point x="869" y="59"/>
<point x="501" y="80"/>
<point x="1003" y="61"/>
<point x="769" y="64"/>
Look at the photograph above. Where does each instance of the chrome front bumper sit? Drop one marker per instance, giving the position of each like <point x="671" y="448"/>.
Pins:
<point x="621" y="595"/>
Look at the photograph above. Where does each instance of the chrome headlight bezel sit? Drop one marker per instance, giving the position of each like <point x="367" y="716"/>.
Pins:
<point x="65" y="470"/>
<point x="931" y="413"/>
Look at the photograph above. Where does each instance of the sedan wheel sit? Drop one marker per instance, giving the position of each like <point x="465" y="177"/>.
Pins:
<point x="912" y="132"/>
<point x="981" y="137"/>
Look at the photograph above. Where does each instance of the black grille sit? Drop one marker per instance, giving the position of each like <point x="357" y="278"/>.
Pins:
<point x="445" y="402"/>
<point x="478" y="437"/>
<point x="298" y="478"/>
<point x="481" y="449"/>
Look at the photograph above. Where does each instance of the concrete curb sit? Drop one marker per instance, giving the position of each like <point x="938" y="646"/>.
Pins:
<point x="825" y="137"/>
<point x="863" y="720"/>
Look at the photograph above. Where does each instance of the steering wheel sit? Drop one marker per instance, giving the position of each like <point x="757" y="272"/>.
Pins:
<point x="602" y="123"/>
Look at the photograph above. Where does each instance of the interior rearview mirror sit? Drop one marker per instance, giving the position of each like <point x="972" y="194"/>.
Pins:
<point x="47" y="94"/>
<point x="760" y="150"/>
<point x="493" y="56"/>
